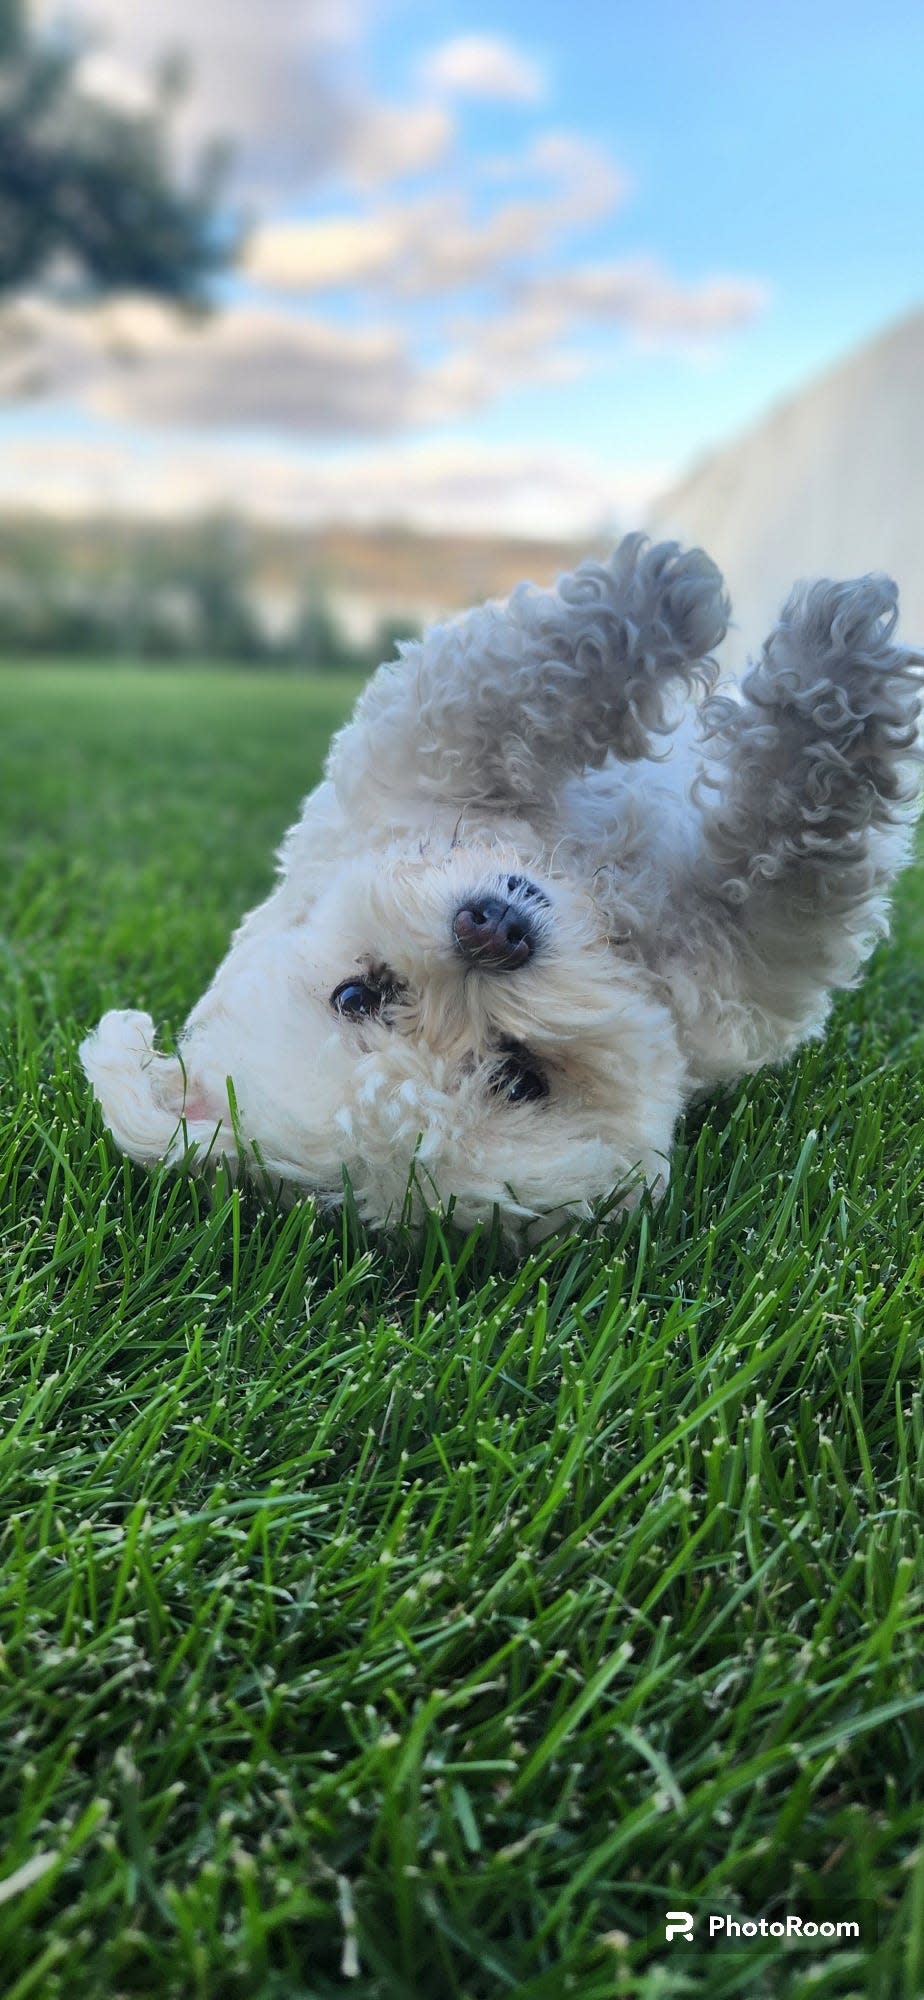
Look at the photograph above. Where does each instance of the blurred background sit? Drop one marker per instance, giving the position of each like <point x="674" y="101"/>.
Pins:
<point x="319" y="318"/>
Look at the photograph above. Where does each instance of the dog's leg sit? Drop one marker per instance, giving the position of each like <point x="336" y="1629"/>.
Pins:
<point x="498" y="706"/>
<point x="806" y="804"/>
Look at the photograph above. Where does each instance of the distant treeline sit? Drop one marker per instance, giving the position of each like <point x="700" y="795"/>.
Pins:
<point x="156" y="598"/>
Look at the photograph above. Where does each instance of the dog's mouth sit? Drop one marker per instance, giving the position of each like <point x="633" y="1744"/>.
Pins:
<point x="498" y="929"/>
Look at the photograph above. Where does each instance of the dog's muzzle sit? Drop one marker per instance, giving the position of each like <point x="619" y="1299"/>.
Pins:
<point x="498" y="932"/>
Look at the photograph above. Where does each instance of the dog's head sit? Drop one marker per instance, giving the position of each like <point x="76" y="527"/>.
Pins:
<point x="463" y="1023"/>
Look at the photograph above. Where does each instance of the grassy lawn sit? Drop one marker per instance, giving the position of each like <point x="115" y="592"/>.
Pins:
<point x="376" y="1621"/>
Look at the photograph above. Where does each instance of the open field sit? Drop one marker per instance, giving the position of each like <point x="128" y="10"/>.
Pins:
<point x="378" y="1622"/>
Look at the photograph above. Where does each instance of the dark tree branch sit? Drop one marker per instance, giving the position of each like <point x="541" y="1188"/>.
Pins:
<point x="90" y="188"/>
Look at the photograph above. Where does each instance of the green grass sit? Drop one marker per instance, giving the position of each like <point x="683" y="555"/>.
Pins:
<point x="382" y="1622"/>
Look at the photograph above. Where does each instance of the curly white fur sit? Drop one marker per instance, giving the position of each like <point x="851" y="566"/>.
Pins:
<point x="699" y="880"/>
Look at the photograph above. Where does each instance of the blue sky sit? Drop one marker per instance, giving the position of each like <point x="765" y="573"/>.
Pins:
<point x="619" y="234"/>
<point x="783" y="142"/>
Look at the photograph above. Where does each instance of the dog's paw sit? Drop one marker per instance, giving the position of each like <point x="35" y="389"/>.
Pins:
<point x="834" y="656"/>
<point x="686" y="599"/>
<point x="658" y="609"/>
<point x="835" y="702"/>
<point x="853" y="622"/>
<point x="139" y="1092"/>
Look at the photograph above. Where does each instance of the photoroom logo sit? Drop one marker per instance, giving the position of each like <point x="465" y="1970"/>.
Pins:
<point x="720" y="1929"/>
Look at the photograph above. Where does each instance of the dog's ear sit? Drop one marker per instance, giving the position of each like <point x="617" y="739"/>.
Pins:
<point x="144" y="1097"/>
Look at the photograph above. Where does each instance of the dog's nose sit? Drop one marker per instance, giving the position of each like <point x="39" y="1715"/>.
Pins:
<point x="493" y="934"/>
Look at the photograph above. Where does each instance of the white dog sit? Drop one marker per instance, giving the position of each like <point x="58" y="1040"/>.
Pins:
<point x="513" y="935"/>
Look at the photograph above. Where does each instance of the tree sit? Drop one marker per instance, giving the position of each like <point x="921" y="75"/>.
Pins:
<point x="89" y="189"/>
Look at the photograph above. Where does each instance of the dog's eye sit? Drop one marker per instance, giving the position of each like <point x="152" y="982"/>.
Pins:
<point x="519" y="1078"/>
<point x="355" y="999"/>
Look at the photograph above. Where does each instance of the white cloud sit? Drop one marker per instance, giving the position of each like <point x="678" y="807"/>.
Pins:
<point x="495" y="359"/>
<point x="482" y="66"/>
<point x="640" y="295"/>
<point x="281" y="81"/>
<point x="334" y="251"/>
<point x="422" y="249"/>
<point x="111" y="81"/>
<point x="261" y="367"/>
<point x="454" y="486"/>
<point x="537" y="338"/>
<point x="244" y="369"/>
<point x="591" y="184"/>
<point x="254" y="368"/>
<point x="44" y="350"/>
<point x="287" y="77"/>
<point x="387" y="142"/>
<point x="436" y="244"/>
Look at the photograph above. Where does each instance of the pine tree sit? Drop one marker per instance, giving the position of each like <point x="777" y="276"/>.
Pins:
<point x="90" y="190"/>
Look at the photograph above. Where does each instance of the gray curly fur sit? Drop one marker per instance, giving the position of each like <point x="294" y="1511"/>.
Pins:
<point x="504" y="702"/>
<point x="821" y="746"/>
